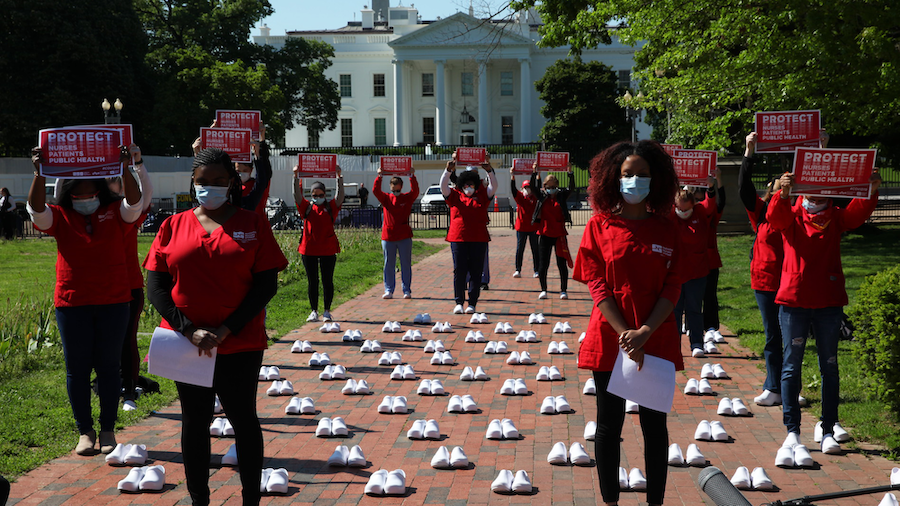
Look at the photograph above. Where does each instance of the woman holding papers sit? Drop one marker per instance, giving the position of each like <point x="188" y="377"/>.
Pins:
<point x="211" y="272"/>
<point x="628" y="258"/>
<point x="811" y="294"/>
<point x="551" y="213"/>
<point x="396" y="234"/>
<point x="92" y="289"/>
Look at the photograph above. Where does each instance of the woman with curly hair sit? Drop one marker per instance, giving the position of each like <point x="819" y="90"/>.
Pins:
<point x="628" y="258"/>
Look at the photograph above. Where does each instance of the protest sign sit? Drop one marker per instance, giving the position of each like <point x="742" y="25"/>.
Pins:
<point x="396" y="165"/>
<point x="124" y="129"/>
<point x="239" y="119"/>
<point x="692" y="171"/>
<point x="471" y="156"/>
<point x="317" y="165"/>
<point x="833" y="172"/>
<point x="523" y="165"/>
<point x="80" y="152"/>
<point x="548" y="160"/>
<point x="670" y="148"/>
<point x="234" y="141"/>
<point x="785" y="131"/>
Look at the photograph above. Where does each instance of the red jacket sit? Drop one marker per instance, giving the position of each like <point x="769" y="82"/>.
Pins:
<point x="811" y="275"/>
<point x="319" y="238"/>
<point x="694" y="233"/>
<point x="768" y="251"/>
<point x="524" y="212"/>
<point x="468" y="216"/>
<point x="396" y="210"/>
<point x="635" y="262"/>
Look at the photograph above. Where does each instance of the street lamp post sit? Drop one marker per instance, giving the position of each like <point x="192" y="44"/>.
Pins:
<point x="632" y="113"/>
<point x="114" y="116"/>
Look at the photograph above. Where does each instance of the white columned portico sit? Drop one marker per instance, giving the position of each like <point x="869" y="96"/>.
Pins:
<point x="484" y="114"/>
<point x="526" y="88"/>
<point x="439" y="104"/>
<point x="398" y="99"/>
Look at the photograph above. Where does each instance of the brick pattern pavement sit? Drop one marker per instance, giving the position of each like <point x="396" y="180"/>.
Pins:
<point x="291" y="442"/>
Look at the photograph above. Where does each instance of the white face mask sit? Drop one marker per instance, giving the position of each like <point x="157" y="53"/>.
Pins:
<point x="812" y="208"/>
<point x="245" y="176"/>
<point x="86" y="207"/>
<point x="469" y="191"/>
<point x="684" y="214"/>
<point x="211" y="197"/>
<point x="526" y="192"/>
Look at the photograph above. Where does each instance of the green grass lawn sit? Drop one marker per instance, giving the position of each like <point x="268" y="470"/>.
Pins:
<point x="863" y="254"/>
<point x="36" y="422"/>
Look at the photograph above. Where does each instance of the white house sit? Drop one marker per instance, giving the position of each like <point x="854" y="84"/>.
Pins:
<point x="456" y="80"/>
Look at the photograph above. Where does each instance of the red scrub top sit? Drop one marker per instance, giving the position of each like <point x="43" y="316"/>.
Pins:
<point x="633" y="261"/>
<point x="212" y="273"/>
<point x="133" y="263"/>
<point x="768" y="251"/>
<point x="553" y="222"/>
<point x="525" y="212"/>
<point x="468" y="216"/>
<point x="695" y="239"/>
<point x="396" y="210"/>
<point x="91" y="267"/>
<point x="319" y="238"/>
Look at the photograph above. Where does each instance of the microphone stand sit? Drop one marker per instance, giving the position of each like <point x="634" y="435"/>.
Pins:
<point x="810" y="500"/>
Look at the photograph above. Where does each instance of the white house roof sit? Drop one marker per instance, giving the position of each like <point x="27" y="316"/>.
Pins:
<point x="460" y="29"/>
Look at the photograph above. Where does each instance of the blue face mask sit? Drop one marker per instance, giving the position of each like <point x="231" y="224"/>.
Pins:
<point x="552" y="191"/>
<point x="813" y="208"/>
<point x="634" y="189"/>
<point x="86" y="207"/>
<point x="211" y="197"/>
<point x="318" y="200"/>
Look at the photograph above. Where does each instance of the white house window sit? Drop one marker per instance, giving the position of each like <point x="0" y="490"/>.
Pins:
<point x="506" y="84"/>
<point x="377" y="85"/>
<point x="346" y="90"/>
<point x="312" y="138"/>
<point x="380" y="132"/>
<point x="428" y="85"/>
<point x="428" y="130"/>
<point x="468" y="84"/>
<point x="506" y="133"/>
<point x="624" y="79"/>
<point x="346" y="132"/>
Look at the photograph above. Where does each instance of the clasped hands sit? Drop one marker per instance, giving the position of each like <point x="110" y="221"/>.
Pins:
<point x="205" y="339"/>
<point x="632" y="342"/>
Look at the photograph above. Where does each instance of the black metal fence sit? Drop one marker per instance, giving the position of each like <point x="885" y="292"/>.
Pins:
<point x="420" y="150"/>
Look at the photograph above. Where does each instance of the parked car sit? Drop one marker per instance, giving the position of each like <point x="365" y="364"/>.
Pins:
<point x="433" y="200"/>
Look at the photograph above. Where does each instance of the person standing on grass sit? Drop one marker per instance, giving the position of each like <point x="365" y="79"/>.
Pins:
<point x="811" y="294"/>
<point x="468" y="235"/>
<point x="92" y="292"/>
<point x="551" y="213"/>
<point x="526" y="201"/>
<point x="396" y="234"/>
<point x="711" y="292"/>
<point x="319" y="244"/>
<point x="628" y="259"/>
<point x="7" y="214"/>
<point x="211" y="271"/>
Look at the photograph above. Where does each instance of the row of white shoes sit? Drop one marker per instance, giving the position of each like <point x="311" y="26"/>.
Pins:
<point x="576" y="455"/>
<point x="693" y="458"/>
<point x="458" y="309"/>
<point x="455" y="459"/>
<point x="496" y="347"/>
<point x="475" y="336"/>
<point x="301" y="347"/>
<point x="633" y="480"/>
<point x="221" y="427"/>
<point x="536" y="318"/>
<point x="330" y="327"/>
<point x="273" y="481"/>
<point x="354" y="387"/>
<point x="710" y="431"/>
<point x="743" y="479"/>
<point x="391" y="327"/>
<point x="269" y="373"/>
<point x="144" y="479"/>
<point x="300" y="406"/>
<point x="424" y="429"/>
<point x="393" y="404"/>
<point x="127" y="455"/>
<point x="555" y="405"/>
<point x="478" y="374"/>
<point x="442" y="358"/>
<point x="462" y="404"/>
<point x="713" y="335"/>
<point x="551" y="373"/>
<point x="793" y="454"/>
<point x="695" y="387"/>
<point x="562" y="328"/>
<point x="732" y="407"/>
<point x="332" y="372"/>
<point x="502" y="429"/>
<point x="344" y="457"/>
<point x="422" y="318"/>
<point x="526" y="336"/>
<point x="372" y="346"/>
<point x="285" y="387"/>
<point x="713" y="371"/>
<point x="352" y="335"/>
<point x="332" y="427"/>
<point x="383" y="482"/>
<point x="442" y="328"/>
<point x="479" y="318"/>
<point x="412" y="335"/>
<point x="558" y="348"/>
<point x="507" y="483"/>
<point x="504" y="328"/>
<point x="516" y="358"/>
<point x="403" y="372"/>
<point x="430" y="387"/>
<point x="390" y="358"/>
<point x="319" y="360"/>
<point x="433" y="346"/>
<point x="514" y="387"/>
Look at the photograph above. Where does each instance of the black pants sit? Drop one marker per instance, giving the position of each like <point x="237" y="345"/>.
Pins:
<point x="236" y="381"/>
<point x="532" y="239"/>
<point x="545" y="245"/>
<point x="312" y="264"/>
<point x="131" y="357"/>
<point x="711" y="301"/>
<point x="610" y="418"/>
<point x="468" y="261"/>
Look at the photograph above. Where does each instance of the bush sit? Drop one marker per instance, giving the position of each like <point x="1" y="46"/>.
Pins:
<point x="876" y="316"/>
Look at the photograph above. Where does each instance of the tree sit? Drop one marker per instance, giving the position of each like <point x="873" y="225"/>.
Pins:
<point x="580" y="106"/>
<point x="713" y="63"/>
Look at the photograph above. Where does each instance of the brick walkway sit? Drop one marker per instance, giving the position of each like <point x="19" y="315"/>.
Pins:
<point x="291" y="443"/>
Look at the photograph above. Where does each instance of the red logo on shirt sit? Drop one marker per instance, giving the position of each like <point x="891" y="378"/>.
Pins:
<point x="244" y="237"/>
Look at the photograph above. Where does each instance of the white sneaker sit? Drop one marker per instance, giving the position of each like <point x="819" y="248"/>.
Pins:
<point x="458" y="309"/>
<point x="513" y="358"/>
<point x="424" y="387"/>
<point x="675" y="458"/>
<point x="704" y="387"/>
<point x="397" y="373"/>
<point x="441" y="459"/>
<point x="490" y="348"/>
<point x="525" y="358"/>
<point x="387" y="295"/>
<point x="273" y="373"/>
<point x="293" y="407"/>
<point x="439" y="346"/>
<point x="313" y="316"/>
<point x="154" y="478"/>
<point x="694" y="456"/>
<point x="557" y="328"/>
<point x="718" y="337"/>
<point x="542" y="295"/>
<point x="741" y="479"/>
<point x="407" y="295"/>
<point x="710" y="348"/>
<point x="297" y="347"/>
<point x="136" y="455"/>
<point x="517" y="274"/>
<point x="767" y="398"/>
<point x="274" y="389"/>
<point x="408" y="373"/>
<point x="543" y="374"/>
<point x="366" y="347"/>
<point x="470" y="309"/>
<point x="385" y="406"/>
<point x="555" y="374"/>
<point x="468" y="404"/>
<point x="508" y="328"/>
<point x="437" y="388"/>
<point x="698" y="353"/>
<point x="536" y="275"/>
<point x="117" y="456"/>
<point x="590" y="431"/>
<point x="326" y="316"/>
<point x="480" y="374"/>
<point x="564" y="348"/>
<point x="531" y="336"/>
<point x="558" y="455"/>
<point x="562" y="405"/>
<point x="563" y="295"/>
<point x="590" y="387"/>
<point x="760" y="480"/>
<point x="532" y="318"/>
<point x="132" y="482"/>
<point x="458" y="458"/>
<point x="509" y="429"/>
<point x="553" y="348"/>
<point x="636" y="480"/>
<point x="521" y="484"/>
<point x="501" y="348"/>
<point x="502" y="484"/>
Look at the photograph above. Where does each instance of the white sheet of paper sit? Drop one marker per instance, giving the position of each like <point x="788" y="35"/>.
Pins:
<point x="173" y="356"/>
<point x="652" y="387"/>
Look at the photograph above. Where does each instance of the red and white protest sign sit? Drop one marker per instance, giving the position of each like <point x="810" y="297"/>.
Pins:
<point x="694" y="173"/>
<point x="396" y="165"/>
<point x="523" y="165"/>
<point x="549" y="160"/>
<point x="80" y="153"/>
<point x="234" y="141"/>
<point x="471" y="156"/>
<point x="122" y="128"/>
<point x="670" y="148"/>
<point x="239" y="119"/>
<point x="316" y="165"/>
<point x="833" y="172"/>
<point x="785" y="131"/>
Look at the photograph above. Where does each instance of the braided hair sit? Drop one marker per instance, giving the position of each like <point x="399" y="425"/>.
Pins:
<point x="215" y="156"/>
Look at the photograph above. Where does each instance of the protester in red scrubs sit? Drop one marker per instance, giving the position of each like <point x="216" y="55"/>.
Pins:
<point x="526" y="201"/>
<point x="396" y="234"/>
<point x="711" y="292"/>
<point x="92" y="289"/>
<point x="319" y="245"/>
<point x="211" y="272"/>
<point x="628" y="259"/>
<point x="551" y="215"/>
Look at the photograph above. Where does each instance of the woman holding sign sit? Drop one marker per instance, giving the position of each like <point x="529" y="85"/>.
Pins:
<point x="92" y="289"/>
<point x="526" y="201"/>
<point x="551" y="215"/>
<point x="811" y="294"/>
<point x="211" y="272"/>
<point x="396" y="234"/>
<point x="628" y="259"/>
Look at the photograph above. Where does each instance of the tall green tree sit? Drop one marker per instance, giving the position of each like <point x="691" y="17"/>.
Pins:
<point x="582" y="115"/>
<point x="713" y="63"/>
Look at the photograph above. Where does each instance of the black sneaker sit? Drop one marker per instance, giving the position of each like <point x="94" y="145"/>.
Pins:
<point x="485" y="286"/>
